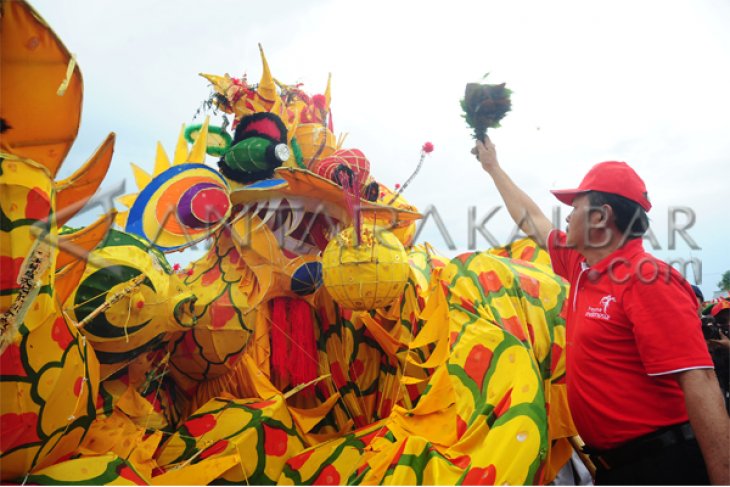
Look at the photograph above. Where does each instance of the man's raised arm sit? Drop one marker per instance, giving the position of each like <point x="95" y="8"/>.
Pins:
<point x="519" y="205"/>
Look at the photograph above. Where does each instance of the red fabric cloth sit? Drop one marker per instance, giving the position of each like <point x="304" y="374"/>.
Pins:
<point x="304" y="356"/>
<point x="280" y="336"/>
<point x="626" y="334"/>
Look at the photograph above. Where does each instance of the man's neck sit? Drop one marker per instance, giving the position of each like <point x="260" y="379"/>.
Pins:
<point x="594" y="255"/>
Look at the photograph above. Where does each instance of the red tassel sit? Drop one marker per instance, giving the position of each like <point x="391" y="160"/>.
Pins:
<point x="304" y="358"/>
<point x="280" y="330"/>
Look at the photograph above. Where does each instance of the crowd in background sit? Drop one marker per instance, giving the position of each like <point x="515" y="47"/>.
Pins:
<point x="716" y="331"/>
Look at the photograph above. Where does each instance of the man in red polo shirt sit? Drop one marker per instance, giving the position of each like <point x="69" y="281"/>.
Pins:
<point x="638" y="369"/>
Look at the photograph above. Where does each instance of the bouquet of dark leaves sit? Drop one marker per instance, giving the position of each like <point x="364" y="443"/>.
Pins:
<point x="485" y="106"/>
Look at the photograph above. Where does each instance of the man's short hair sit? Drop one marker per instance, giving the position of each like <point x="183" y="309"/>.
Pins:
<point x="629" y="217"/>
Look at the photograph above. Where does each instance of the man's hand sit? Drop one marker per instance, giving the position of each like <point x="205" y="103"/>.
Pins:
<point x="722" y="344"/>
<point x="487" y="154"/>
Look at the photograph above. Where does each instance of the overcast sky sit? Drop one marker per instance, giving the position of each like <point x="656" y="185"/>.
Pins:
<point x="642" y="82"/>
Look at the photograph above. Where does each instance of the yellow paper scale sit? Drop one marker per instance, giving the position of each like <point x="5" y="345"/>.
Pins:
<point x="367" y="274"/>
<point x="309" y="136"/>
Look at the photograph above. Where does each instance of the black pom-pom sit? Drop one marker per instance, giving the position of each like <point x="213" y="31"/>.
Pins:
<point x="372" y="191"/>
<point x="265" y="125"/>
<point x="4" y="126"/>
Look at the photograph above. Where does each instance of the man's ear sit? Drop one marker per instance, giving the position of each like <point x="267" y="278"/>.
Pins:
<point x="608" y="214"/>
<point x="602" y="217"/>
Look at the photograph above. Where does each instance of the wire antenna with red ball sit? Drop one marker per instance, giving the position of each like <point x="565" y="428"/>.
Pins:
<point x="426" y="149"/>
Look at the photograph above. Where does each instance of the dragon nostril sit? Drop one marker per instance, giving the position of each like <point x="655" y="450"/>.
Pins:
<point x="343" y="174"/>
<point x="372" y="191"/>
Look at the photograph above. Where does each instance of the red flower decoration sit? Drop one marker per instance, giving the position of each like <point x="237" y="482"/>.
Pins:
<point x="368" y="438"/>
<point x="176" y="267"/>
<point x="428" y="147"/>
<point x="490" y="281"/>
<point x="260" y="405"/>
<point x="357" y="369"/>
<point x="221" y="311"/>
<point x="210" y="276"/>
<point x="462" y="461"/>
<point x="298" y="461"/>
<point x="38" y="205"/>
<point x="10" y="363"/>
<point x="78" y="386"/>
<point x="61" y="334"/>
<point x="528" y="253"/>
<point x="397" y="186"/>
<point x="320" y="102"/>
<point x="199" y="426"/>
<point x="504" y="404"/>
<point x="514" y="326"/>
<point x="329" y="476"/>
<point x="480" y="476"/>
<point x="477" y="363"/>
<point x="530" y="285"/>
<point x="275" y="441"/>
<point x="127" y="473"/>
<point x="461" y="427"/>
<point x="18" y="429"/>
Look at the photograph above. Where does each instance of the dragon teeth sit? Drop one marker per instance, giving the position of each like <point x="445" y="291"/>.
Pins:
<point x="271" y="206"/>
<point x="298" y="213"/>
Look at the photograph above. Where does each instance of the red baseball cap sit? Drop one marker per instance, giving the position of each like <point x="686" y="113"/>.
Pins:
<point x="610" y="177"/>
<point x="719" y="307"/>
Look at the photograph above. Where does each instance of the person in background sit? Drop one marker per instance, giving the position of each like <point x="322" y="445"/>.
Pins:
<point x="721" y="312"/>
<point x="638" y="371"/>
<point x="700" y="299"/>
<point x="720" y="348"/>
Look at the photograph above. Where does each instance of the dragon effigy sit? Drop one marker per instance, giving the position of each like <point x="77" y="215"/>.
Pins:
<point x="313" y="343"/>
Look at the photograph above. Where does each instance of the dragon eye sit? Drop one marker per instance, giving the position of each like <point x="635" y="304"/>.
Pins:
<point x="256" y="154"/>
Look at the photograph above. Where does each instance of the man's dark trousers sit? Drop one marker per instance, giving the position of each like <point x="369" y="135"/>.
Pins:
<point x="680" y="464"/>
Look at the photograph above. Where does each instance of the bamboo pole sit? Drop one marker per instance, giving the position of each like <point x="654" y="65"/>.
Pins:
<point x="113" y="300"/>
<point x="578" y="444"/>
<point x="304" y="386"/>
<point x="31" y="270"/>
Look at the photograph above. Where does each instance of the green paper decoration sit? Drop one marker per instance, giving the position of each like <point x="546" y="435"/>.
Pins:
<point x="218" y="140"/>
<point x="249" y="155"/>
<point x="297" y="153"/>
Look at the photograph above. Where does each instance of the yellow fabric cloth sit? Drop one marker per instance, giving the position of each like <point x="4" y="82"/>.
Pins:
<point x="34" y="64"/>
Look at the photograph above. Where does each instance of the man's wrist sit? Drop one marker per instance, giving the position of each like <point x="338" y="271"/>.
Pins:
<point x="494" y="171"/>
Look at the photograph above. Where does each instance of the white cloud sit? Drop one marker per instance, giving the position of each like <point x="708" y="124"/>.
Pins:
<point x="645" y="82"/>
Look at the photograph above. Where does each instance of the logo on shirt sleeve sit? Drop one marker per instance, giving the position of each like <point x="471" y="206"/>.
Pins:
<point x="601" y="311"/>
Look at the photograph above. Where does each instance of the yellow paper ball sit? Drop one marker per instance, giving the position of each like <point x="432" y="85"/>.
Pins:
<point x="369" y="275"/>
